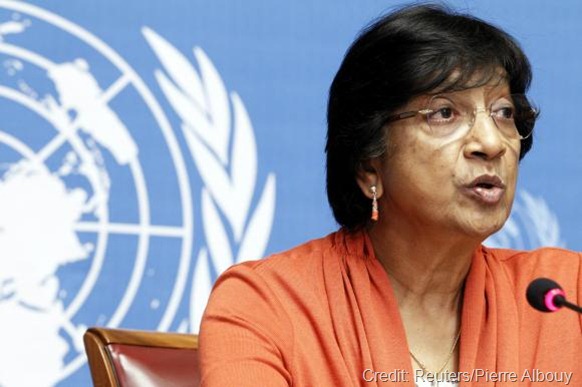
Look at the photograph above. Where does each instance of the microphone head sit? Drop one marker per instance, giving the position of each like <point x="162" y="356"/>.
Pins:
<point x="541" y="294"/>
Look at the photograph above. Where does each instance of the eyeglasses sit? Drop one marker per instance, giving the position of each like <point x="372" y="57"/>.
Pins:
<point x="451" y="114"/>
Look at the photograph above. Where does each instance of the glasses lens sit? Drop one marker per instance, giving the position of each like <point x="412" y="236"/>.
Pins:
<point x="504" y="113"/>
<point x="445" y="115"/>
<point x="525" y="115"/>
<point x="514" y="116"/>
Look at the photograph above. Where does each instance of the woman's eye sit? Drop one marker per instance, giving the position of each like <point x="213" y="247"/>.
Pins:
<point x="505" y="113"/>
<point x="444" y="113"/>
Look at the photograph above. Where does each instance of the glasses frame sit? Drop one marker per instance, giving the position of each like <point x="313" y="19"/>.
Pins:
<point x="533" y="113"/>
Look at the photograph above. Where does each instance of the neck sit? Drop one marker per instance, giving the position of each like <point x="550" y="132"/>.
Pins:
<point x="428" y="273"/>
<point x="427" y="267"/>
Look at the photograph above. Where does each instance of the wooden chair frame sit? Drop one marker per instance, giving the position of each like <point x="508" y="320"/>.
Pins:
<point x="101" y="364"/>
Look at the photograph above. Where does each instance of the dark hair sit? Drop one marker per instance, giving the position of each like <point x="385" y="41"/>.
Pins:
<point x="410" y="52"/>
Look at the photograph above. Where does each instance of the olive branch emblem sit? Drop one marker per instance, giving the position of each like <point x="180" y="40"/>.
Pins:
<point x="220" y="137"/>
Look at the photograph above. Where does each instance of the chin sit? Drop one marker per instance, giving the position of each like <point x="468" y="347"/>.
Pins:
<point x="484" y="228"/>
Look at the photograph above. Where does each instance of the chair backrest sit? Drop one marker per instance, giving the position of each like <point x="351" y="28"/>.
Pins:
<point x="125" y="358"/>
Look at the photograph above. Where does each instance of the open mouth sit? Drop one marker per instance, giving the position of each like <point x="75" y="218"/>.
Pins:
<point x="486" y="189"/>
<point x="487" y="181"/>
<point x="485" y="185"/>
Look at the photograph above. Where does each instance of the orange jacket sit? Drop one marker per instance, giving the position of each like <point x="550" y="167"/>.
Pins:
<point x="324" y="314"/>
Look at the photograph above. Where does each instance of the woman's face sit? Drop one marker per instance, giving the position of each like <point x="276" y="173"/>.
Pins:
<point x="462" y="183"/>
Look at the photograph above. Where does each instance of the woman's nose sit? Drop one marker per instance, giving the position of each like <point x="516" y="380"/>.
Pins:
<point x="485" y="140"/>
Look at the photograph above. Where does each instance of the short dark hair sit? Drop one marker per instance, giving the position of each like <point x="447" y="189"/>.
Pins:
<point x="404" y="54"/>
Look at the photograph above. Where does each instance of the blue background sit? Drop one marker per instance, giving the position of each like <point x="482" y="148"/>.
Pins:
<point x="280" y="57"/>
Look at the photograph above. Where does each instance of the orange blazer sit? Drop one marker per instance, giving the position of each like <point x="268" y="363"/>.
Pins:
<point x="324" y="314"/>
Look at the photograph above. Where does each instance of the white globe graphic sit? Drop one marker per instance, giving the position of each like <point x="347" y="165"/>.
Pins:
<point x="531" y="225"/>
<point x="80" y="201"/>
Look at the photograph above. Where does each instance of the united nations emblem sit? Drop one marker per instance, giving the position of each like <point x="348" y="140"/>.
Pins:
<point x="96" y="204"/>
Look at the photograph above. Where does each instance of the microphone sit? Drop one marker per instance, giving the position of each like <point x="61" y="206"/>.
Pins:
<point x="546" y="295"/>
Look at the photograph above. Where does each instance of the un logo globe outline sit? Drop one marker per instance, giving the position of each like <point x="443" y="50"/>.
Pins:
<point x="144" y="229"/>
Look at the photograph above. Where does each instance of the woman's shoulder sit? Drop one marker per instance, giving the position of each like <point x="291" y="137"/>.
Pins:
<point x="561" y="265"/>
<point x="253" y="311"/>
<point x="551" y="257"/>
<point x="298" y="271"/>
<point x="268" y="296"/>
<point x="305" y="257"/>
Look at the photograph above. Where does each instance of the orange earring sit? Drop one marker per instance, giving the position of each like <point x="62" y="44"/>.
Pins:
<point x="374" y="204"/>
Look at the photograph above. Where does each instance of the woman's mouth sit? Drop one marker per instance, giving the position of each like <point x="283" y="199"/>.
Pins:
<point x="487" y="189"/>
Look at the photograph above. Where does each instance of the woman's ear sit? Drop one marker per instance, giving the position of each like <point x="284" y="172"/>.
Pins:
<point x="369" y="175"/>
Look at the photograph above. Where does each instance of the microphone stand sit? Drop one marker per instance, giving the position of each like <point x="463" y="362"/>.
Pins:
<point x="562" y="302"/>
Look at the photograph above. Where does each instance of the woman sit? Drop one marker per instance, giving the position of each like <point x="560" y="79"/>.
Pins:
<point x="427" y="123"/>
